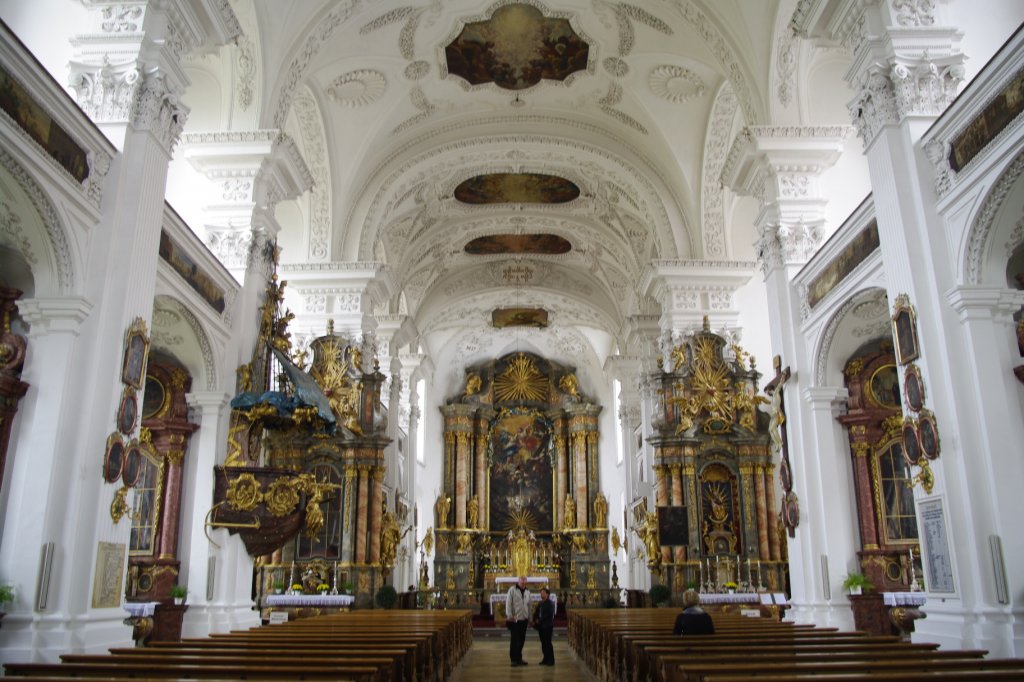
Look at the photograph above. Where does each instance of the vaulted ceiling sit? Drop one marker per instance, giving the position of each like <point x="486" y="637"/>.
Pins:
<point x="634" y="104"/>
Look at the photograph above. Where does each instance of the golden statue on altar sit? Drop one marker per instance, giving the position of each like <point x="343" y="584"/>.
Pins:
<point x="520" y="547"/>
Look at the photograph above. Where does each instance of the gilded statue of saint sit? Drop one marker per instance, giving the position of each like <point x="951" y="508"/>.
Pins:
<point x="600" y="511"/>
<point x="428" y="541"/>
<point x="389" y="537"/>
<point x="569" y="518"/>
<point x="649" y="534"/>
<point x="441" y="508"/>
<point x="473" y="511"/>
<point x="473" y="382"/>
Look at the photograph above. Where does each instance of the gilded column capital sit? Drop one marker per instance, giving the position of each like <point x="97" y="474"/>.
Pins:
<point x="378" y="474"/>
<point x="175" y="457"/>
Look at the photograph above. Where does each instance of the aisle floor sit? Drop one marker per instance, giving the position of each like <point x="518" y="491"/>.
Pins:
<point x="488" y="660"/>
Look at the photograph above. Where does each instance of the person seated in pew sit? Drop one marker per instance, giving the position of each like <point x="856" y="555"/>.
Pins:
<point x="693" y="620"/>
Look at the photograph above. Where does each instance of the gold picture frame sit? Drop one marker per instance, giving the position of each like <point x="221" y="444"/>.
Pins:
<point x="136" y="350"/>
<point x="904" y="331"/>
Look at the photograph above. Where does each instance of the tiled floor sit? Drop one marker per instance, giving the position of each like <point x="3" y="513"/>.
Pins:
<point x="488" y="660"/>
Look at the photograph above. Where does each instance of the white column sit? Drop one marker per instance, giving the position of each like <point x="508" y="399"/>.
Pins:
<point x="822" y="479"/>
<point x="228" y="566"/>
<point x="988" y="478"/>
<point x="40" y="484"/>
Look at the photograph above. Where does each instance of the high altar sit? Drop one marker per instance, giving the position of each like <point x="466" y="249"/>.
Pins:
<point x="521" y="492"/>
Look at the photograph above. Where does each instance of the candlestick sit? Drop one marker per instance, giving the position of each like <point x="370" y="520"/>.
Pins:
<point x="750" y="578"/>
<point x="758" y="574"/>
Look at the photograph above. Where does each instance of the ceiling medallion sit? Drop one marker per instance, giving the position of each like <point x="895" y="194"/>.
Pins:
<point x="516" y="188"/>
<point x="675" y="83"/>
<point x="516" y="48"/>
<point x="417" y="70"/>
<point x="615" y="66"/>
<point x="357" y="88"/>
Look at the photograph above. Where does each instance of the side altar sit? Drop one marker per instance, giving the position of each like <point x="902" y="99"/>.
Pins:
<point x="302" y="481"/>
<point x="521" y="488"/>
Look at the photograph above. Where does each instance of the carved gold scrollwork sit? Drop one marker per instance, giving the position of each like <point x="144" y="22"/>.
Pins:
<point x="244" y="493"/>
<point x="281" y="497"/>
<point x="119" y="507"/>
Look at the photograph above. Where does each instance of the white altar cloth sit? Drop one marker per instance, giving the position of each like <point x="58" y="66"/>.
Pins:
<point x="904" y="598"/>
<point x="140" y="609"/>
<point x="726" y="598"/>
<point x="309" y="599"/>
<point x="511" y="580"/>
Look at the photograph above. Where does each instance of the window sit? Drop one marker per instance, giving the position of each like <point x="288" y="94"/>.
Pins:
<point x="896" y="508"/>
<point x="146" y="507"/>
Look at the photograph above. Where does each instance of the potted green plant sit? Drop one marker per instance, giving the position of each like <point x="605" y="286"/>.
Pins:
<point x="660" y="595"/>
<point x="856" y="582"/>
<point x="6" y="597"/>
<point x="386" y="597"/>
<point x="278" y="586"/>
<point x="178" y="593"/>
<point x="347" y="587"/>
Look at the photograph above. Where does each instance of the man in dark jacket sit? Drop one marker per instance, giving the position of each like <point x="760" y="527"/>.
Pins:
<point x="693" y="620"/>
<point x="544" y="621"/>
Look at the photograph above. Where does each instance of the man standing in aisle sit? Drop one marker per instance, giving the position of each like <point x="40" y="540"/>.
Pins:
<point x="517" y="614"/>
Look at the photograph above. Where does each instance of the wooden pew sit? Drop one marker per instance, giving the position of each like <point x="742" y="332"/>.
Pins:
<point x="369" y="647"/>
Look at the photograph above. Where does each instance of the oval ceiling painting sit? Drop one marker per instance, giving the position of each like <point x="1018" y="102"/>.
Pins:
<point x="516" y="48"/>
<point x="516" y="188"/>
<point x="496" y="244"/>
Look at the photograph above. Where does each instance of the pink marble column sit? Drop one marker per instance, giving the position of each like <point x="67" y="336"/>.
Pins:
<point x="361" y="508"/>
<point x="774" y="549"/>
<point x="376" y="510"/>
<point x="347" y="535"/>
<point x="762" y="514"/>
<point x="677" y="501"/>
<point x="480" y="475"/>
<point x="661" y="474"/>
<point x="561" y="475"/>
<point x="461" y="484"/>
<point x="579" y="447"/>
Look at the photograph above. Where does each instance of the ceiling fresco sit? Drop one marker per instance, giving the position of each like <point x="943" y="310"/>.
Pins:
<point x="519" y="317"/>
<point x="518" y="243"/>
<point x="516" y="48"/>
<point x="516" y="188"/>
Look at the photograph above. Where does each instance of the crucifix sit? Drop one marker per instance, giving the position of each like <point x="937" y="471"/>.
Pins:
<point x="780" y="444"/>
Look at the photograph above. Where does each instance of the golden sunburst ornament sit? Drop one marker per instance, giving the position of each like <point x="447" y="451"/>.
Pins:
<point x="521" y="381"/>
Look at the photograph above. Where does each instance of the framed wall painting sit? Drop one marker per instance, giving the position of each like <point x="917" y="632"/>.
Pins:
<point x="127" y="411"/>
<point x="928" y="433"/>
<point x="904" y="331"/>
<point x="913" y="388"/>
<point x="108" y="578"/>
<point x="911" y="441"/>
<point x="113" y="460"/>
<point x="136" y="349"/>
<point x="132" y="464"/>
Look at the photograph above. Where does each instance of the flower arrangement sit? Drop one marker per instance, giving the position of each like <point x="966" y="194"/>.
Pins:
<point x="297" y="588"/>
<point x="322" y="588"/>
<point x="730" y="585"/>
